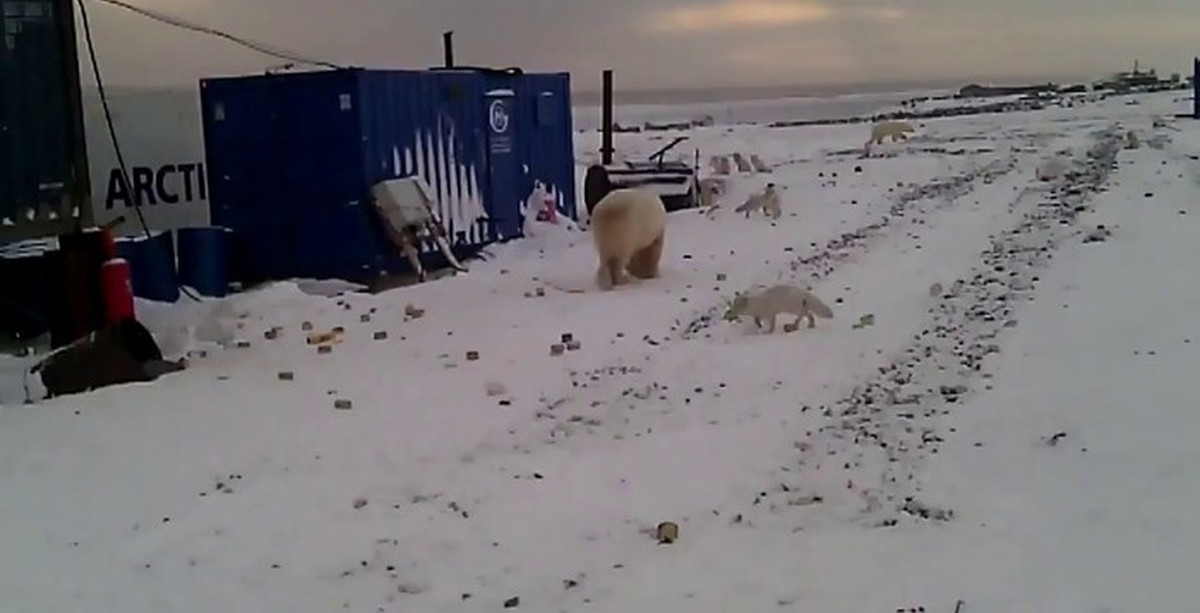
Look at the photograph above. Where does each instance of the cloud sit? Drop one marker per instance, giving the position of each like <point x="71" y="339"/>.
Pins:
<point x="772" y="59"/>
<point x="881" y="13"/>
<point x="739" y="14"/>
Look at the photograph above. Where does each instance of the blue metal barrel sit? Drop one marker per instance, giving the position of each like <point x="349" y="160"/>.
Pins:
<point x="204" y="260"/>
<point x="151" y="266"/>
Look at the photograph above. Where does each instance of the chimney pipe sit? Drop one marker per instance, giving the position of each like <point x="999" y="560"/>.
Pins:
<point x="448" y="47"/>
<point x="606" y="128"/>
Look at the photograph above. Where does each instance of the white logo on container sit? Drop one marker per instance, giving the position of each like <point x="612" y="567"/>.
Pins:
<point x="498" y="115"/>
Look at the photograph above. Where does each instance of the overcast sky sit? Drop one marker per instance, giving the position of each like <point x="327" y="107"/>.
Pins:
<point x="667" y="43"/>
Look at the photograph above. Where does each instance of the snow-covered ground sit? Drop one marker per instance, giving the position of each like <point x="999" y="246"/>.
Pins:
<point x="1020" y="438"/>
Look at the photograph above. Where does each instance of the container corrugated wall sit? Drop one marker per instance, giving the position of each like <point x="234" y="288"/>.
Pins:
<point x="546" y="104"/>
<point x="292" y="158"/>
<point x="37" y="163"/>
<point x="427" y="125"/>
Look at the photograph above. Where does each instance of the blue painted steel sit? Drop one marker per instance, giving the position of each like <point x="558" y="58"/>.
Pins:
<point x="545" y="101"/>
<point x="203" y="259"/>
<point x="151" y="266"/>
<point x="504" y="162"/>
<point x="292" y="158"/>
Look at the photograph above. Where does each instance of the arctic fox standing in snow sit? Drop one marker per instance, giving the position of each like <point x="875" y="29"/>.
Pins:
<point x="777" y="299"/>
<point x="767" y="201"/>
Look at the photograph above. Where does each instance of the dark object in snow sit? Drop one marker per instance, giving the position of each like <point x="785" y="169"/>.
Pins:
<point x="557" y="349"/>
<point x="343" y="405"/>
<point x="567" y="337"/>
<point x="667" y="533"/>
<point x="472" y="356"/>
<point x="958" y="606"/>
<point x="1099" y="235"/>
<point x="1055" y="438"/>
<point x="512" y="603"/>
<point x="123" y="352"/>
<point x="381" y="335"/>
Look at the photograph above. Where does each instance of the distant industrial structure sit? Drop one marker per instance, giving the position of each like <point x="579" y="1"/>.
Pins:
<point x="1136" y="80"/>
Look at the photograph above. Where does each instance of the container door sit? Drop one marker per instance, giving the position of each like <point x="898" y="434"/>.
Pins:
<point x="503" y="199"/>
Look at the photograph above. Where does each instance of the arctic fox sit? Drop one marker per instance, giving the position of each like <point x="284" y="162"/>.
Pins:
<point x="777" y="299"/>
<point x="766" y="200"/>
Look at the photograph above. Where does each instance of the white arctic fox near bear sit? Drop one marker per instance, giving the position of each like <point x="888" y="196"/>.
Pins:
<point x="769" y="303"/>
<point x="628" y="227"/>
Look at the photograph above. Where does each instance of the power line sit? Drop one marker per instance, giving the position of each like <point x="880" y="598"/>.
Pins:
<point x="202" y="29"/>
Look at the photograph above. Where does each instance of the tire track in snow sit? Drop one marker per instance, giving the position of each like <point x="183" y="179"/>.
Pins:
<point x="888" y="425"/>
<point x="628" y="400"/>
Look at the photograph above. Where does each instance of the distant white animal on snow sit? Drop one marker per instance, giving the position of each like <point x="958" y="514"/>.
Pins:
<point x="628" y="228"/>
<point x="769" y="303"/>
<point x="709" y="191"/>
<point x="767" y="201"/>
<point x="758" y="164"/>
<point x="895" y="130"/>
<point x="742" y="165"/>
<point x="720" y="165"/>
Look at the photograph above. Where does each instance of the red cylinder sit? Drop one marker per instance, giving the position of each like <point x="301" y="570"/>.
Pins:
<point x="109" y="242"/>
<point x="118" y="291"/>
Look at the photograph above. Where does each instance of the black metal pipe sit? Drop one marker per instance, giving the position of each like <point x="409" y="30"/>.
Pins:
<point x="606" y="121"/>
<point x="448" y="47"/>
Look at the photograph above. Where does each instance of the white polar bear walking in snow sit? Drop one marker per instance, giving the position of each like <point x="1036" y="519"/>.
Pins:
<point x="628" y="227"/>
<point x="895" y="130"/>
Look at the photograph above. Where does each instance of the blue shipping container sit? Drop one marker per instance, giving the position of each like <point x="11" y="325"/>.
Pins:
<point x="40" y="125"/>
<point x="292" y="159"/>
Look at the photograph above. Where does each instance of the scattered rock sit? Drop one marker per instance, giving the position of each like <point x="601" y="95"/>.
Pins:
<point x="343" y="405"/>
<point x="512" y="603"/>
<point x="557" y="349"/>
<point x="667" y="533"/>
<point x="323" y="338"/>
<point x="1053" y="440"/>
<point x="380" y="335"/>
<point x="287" y="375"/>
<point x="359" y="503"/>
<point x="472" y="356"/>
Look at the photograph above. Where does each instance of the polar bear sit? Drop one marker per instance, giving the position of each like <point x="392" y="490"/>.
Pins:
<point x="895" y="130"/>
<point x="628" y="227"/>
